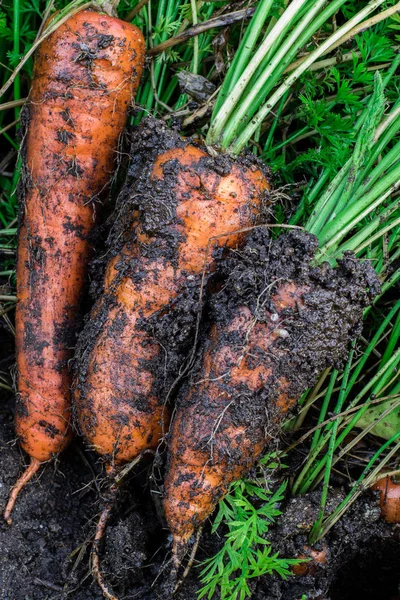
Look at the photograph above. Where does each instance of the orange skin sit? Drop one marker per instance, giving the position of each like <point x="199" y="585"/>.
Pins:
<point x="206" y="431"/>
<point x="389" y="500"/>
<point x="85" y="76"/>
<point x="120" y="411"/>
<point x="316" y="560"/>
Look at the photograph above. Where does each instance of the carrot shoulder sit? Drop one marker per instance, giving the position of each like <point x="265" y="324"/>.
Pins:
<point x="85" y="75"/>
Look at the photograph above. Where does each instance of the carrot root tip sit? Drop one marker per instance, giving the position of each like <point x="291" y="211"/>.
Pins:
<point x="21" y="482"/>
<point x="178" y="553"/>
<point x="99" y="534"/>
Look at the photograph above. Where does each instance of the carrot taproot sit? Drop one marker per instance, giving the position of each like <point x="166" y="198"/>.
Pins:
<point x="187" y="201"/>
<point x="278" y="322"/>
<point x="85" y="75"/>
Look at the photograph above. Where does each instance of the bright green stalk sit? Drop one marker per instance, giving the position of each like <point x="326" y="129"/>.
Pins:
<point x="16" y="48"/>
<point x="245" y="136"/>
<point x="325" y="204"/>
<point x="195" y="62"/>
<point x="277" y="74"/>
<point x="351" y="216"/>
<point x="274" y="124"/>
<point x="331" y="448"/>
<point x="363" y="144"/>
<point x="309" y="197"/>
<point x="376" y="223"/>
<point x="231" y="101"/>
<point x="375" y="385"/>
<point x="324" y="408"/>
<point x="394" y="338"/>
<point x="255" y="89"/>
<point x="243" y="53"/>
<point x="344" y="395"/>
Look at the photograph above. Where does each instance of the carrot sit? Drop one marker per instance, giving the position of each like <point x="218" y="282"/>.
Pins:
<point x="389" y="499"/>
<point x="186" y="198"/>
<point x="313" y="560"/>
<point x="185" y="202"/>
<point x="85" y="75"/>
<point x="278" y="323"/>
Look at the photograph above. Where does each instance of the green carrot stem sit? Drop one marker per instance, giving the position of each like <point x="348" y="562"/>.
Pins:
<point x="255" y="88"/>
<point x="231" y="101"/>
<point x="315" y="531"/>
<point x="324" y="408"/>
<point x="244" y="137"/>
<point x="243" y="53"/>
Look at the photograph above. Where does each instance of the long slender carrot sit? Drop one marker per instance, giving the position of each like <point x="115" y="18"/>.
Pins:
<point x="278" y="323"/>
<point x="84" y="79"/>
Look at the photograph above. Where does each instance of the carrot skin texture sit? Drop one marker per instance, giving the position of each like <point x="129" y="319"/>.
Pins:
<point x="195" y="482"/>
<point x="279" y="322"/>
<point x="120" y="409"/>
<point x="85" y="75"/>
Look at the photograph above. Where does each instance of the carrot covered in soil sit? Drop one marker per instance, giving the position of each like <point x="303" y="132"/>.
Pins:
<point x="278" y="322"/>
<point x="185" y="198"/>
<point x="85" y="76"/>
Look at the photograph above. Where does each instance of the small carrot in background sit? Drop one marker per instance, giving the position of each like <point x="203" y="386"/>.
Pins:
<point x="389" y="499"/>
<point x="85" y="75"/>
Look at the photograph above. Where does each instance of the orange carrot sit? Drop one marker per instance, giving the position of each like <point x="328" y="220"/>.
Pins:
<point x="119" y="401"/>
<point x="389" y="499"/>
<point x="85" y="75"/>
<point x="186" y="200"/>
<point x="278" y="323"/>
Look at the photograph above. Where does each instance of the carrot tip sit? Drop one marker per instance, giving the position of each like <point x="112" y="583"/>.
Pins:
<point x="179" y="550"/>
<point x="99" y="534"/>
<point x="32" y="468"/>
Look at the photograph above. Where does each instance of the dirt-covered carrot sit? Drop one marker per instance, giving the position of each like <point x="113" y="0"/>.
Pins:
<point x="186" y="199"/>
<point x="279" y="322"/>
<point x="84" y="79"/>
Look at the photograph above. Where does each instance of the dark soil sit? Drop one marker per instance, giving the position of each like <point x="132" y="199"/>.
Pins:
<point x="43" y="555"/>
